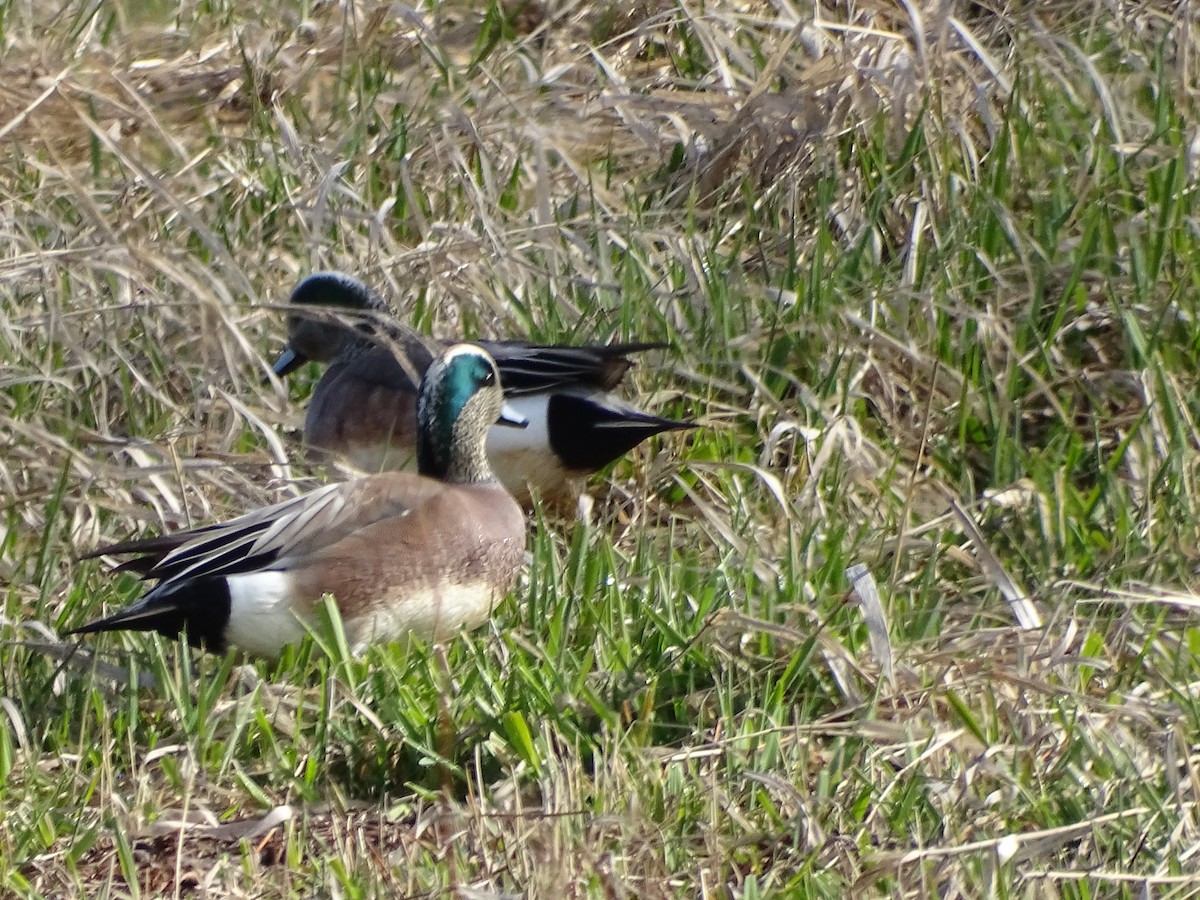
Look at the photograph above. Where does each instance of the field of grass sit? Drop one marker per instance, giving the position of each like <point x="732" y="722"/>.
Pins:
<point x="931" y="277"/>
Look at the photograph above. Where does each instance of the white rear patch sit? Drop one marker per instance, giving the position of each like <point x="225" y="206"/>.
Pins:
<point x="261" y="620"/>
<point x="523" y="455"/>
<point x="534" y="437"/>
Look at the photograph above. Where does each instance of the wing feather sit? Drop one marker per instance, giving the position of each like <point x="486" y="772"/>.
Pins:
<point x="256" y="540"/>
<point x="527" y="368"/>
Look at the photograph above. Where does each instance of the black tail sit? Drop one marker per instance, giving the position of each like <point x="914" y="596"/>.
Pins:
<point x="199" y="609"/>
<point x="587" y="432"/>
<point x="151" y="551"/>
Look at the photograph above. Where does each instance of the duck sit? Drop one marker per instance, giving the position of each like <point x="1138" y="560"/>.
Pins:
<point x="423" y="553"/>
<point x="362" y="410"/>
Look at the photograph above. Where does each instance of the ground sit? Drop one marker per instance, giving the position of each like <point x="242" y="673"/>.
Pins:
<point x="912" y="612"/>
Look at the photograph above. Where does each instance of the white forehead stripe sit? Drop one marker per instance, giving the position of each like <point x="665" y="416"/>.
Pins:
<point x="466" y="350"/>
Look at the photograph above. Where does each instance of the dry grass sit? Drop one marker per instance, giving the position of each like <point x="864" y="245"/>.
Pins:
<point x="929" y="274"/>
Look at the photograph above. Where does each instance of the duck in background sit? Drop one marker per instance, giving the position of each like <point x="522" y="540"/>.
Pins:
<point x="363" y="409"/>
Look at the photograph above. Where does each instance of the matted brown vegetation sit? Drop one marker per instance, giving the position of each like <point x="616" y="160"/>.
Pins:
<point x="929" y="276"/>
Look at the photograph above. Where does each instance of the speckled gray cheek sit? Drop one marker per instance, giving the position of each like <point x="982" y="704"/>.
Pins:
<point x="457" y="405"/>
<point x="470" y="463"/>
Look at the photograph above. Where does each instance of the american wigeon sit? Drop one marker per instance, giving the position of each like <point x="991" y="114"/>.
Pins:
<point x="401" y="553"/>
<point x="362" y="409"/>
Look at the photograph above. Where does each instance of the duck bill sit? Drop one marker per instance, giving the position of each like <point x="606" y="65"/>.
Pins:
<point x="510" y="418"/>
<point x="289" y="361"/>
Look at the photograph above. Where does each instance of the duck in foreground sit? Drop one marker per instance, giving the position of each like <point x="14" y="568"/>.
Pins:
<point x="363" y="408"/>
<point x="401" y="553"/>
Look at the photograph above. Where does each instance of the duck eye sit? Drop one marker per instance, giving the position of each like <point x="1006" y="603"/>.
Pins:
<point x="488" y="379"/>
